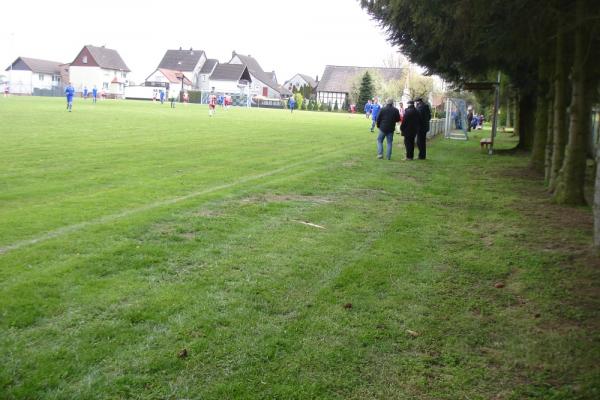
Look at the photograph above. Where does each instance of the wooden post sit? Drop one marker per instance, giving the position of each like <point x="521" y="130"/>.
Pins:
<point x="495" y="116"/>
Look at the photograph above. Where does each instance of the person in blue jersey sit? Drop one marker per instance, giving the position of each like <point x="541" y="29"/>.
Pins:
<point x="161" y="94"/>
<point x="69" y="92"/>
<point x="94" y="94"/>
<point x="375" y="108"/>
<point x="292" y="104"/>
<point x="368" y="108"/>
<point x="85" y="92"/>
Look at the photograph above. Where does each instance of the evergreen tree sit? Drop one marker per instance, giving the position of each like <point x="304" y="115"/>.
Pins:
<point x="336" y="108"/>
<point x="366" y="91"/>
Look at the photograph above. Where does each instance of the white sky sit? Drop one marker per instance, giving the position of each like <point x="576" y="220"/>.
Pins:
<point x="283" y="35"/>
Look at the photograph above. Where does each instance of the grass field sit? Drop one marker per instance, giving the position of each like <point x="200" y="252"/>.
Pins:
<point x="152" y="253"/>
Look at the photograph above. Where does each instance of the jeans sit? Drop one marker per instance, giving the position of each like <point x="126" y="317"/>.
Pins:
<point x="389" y="138"/>
<point x="373" y="125"/>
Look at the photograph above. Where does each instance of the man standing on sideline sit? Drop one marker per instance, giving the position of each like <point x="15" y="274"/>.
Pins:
<point x="70" y="92"/>
<point x="387" y="119"/>
<point x="425" y="114"/>
<point x="410" y="127"/>
<point x="375" y="107"/>
<point x="94" y="94"/>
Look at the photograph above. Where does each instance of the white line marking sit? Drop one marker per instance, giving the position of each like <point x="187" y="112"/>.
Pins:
<point x="113" y="217"/>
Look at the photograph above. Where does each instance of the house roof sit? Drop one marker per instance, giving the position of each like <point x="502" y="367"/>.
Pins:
<point x="284" y="91"/>
<point x="256" y="70"/>
<point x="309" y="80"/>
<point x="181" y="60"/>
<point x="339" y="79"/>
<point x="209" y="66"/>
<point x="230" y="72"/>
<point x="37" y="65"/>
<point x="107" y="58"/>
<point x="174" y="76"/>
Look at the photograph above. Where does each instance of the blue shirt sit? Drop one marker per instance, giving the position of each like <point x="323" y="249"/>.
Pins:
<point x="368" y="107"/>
<point x="70" y="91"/>
<point x="94" y="92"/>
<point x="375" y="111"/>
<point x="292" y="103"/>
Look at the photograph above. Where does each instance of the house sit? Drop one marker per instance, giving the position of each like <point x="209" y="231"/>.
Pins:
<point x="100" y="67"/>
<point x="173" y="81"/>
<point x="299" y="80"/>
<point x="337" y="81"/>
<point x="263" y="83"/>
<point x="189" y="62"/>
<point x="230" y="79"/>
<point x="26" y="75"/>
<point x="205" y="73"/>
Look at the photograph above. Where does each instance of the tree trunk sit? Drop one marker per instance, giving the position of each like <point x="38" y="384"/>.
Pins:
<point x="571" y="180"/>
<point x="526" y="121"/>
<point x="549" y="140"/>
<point x="538" y="151"/>
<point x="559" y="126"/>
<point x="597" y="201"/>
<point x="508" y="121"/>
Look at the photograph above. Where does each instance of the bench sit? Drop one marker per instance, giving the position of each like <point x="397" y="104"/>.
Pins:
<point x="485" y="142"/>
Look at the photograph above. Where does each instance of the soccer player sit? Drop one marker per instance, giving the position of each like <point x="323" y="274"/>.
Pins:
<point x="368" y="108"/>
<point x="69" y="92"/>
<point x="292" y="104"/>
<point x="375" y="107"/>
<point x="85" y="92"/>
<point x="212" y="103"/>
<point x="94" y="94"/>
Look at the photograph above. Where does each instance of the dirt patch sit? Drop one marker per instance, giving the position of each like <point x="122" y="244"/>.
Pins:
<point x="351" y="163"/>
<point x="283" y="198"/>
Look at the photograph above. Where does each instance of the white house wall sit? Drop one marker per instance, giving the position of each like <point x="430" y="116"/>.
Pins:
<point x="230" y="87"/>
<point x="24" y="82"/>
<point x="331" y="97"/>
<point x="96" y="76"/>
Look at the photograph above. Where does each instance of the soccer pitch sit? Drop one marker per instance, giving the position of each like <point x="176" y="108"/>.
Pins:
<point x="153" y="253"/>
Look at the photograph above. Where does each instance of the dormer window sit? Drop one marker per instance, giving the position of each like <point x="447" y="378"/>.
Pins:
<point x="84" y="60"/>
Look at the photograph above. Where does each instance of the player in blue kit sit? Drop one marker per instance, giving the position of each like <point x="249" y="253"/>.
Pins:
<point x="375" y="107"/>
<point x="69" y="92"/>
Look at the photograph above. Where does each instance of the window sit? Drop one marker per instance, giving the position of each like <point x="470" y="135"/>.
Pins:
<point x="203" y="78"/>
<point x="105" y="85"/>
<point x="41" y="77"/>
<point x="84" y="59"/>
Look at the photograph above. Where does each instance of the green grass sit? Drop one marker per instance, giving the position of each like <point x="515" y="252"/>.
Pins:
<point x="131" y="231"/>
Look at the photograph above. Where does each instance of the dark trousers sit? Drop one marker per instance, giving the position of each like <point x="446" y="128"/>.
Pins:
<point x="422" y="145"/>
<point x="409" y="143"/>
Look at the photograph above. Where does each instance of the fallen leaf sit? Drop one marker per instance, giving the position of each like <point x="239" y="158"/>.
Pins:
<point x="183" y="353"/>
<point x="537" y="315"/>
<point x="348" y="305"/>
<point x="412" y="333"/>
<point x="499" y="285"/>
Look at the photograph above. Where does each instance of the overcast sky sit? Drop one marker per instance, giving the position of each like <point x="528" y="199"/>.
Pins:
<point x="283" y="35"/>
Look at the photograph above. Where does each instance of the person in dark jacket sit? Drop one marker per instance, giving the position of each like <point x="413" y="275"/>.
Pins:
<point x="425" y="113"/>
<point x="410" y="127"/>
<point x="387" y="119"/>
